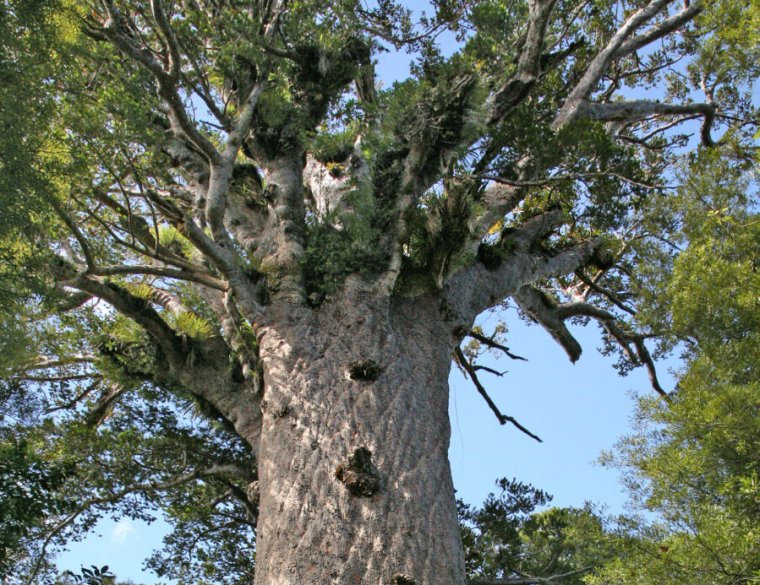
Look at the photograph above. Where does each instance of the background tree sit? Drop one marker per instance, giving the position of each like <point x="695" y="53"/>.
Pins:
<point x="237" y="270"/>
<point x="507" y="541"/>
<point x="694" y="461"/>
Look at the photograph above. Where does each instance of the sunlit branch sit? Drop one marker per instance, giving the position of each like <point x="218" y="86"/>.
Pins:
<point x="131" y="306"/>
<point x="163" y="272"/>
<point x="661" y="29"/>
<point x="599" y="65"/>
<point x="635" y="110"/>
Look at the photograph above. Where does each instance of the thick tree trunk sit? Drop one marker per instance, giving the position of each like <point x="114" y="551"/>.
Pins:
<point x="355" y="485"/>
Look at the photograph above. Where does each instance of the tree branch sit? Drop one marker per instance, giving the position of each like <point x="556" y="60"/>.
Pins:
<point x="598" y="66"/>
<point x="552" y="317"/>
<point x="661" y="29"/>
<point x="528" y="580"/>
<point x="115" y="30"/>
<point x="494" y="345"/>
<point x="514" y="91"/>
<point x="502" y="418"/>
<point x="636" y="110"/>
<point x="542" y="309"/>
<point x="516" y="262"/>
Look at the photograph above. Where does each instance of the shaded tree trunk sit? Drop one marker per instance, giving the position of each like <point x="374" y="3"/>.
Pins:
<point x="355" y="484"/>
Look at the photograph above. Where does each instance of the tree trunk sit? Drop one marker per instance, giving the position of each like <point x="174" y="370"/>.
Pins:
<point x="355" y="484"/>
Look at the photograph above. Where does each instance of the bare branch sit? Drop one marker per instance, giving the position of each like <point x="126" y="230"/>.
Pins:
<point x="44" y="363"/>
<point x="494" y="345"/>
<point x="613" y="297"/>
<point x="552" y="317"/>
<point x="528" y="580"/>
<point x="503" y="419"/>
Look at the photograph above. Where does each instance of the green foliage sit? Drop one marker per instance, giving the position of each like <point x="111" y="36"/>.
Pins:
<point x="694" y="461"/>
<point x="92" y="183"/>
<point x="92" y="576"/>
<point x="27" y="486"/>
<point x="336" y="248"/>
<point x="192" y="325"/>
<point x="508" y="538"/>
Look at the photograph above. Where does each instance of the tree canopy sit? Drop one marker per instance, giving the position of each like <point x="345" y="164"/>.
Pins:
<point x="184" y="181"/>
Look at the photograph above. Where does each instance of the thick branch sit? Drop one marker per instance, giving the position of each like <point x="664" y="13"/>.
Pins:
<point x="599" y="65"/>
<point x="635" y="110"/>
<point x="518" y="262"/>
<point x="131" y="306"/>
<point x="509" y="95"/>
<point x="542" y="309"/>
<point x="661" y="29"/>
<point x="552" y="317"/>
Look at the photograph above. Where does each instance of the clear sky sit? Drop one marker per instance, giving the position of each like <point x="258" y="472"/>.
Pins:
<point x="578" y="410"/>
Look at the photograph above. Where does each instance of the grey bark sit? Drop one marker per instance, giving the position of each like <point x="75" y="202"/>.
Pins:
<point x="357" y="375"/>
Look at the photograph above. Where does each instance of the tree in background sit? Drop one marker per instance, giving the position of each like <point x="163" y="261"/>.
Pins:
<point x="695" y="460"/>
<point x="236" y="269"/>
<point x="506" y="541"/>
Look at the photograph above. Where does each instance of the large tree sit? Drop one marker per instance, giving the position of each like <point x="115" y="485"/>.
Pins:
<point x="236" y="268"/>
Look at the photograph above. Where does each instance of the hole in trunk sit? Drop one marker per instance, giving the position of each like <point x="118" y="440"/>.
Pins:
<point x="401" y="579"/>
<point x="368" y="370"/>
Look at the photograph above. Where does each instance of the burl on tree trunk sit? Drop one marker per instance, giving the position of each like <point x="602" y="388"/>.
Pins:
<point x="355" y="485"/>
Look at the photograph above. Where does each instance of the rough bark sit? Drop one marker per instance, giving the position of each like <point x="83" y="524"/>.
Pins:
<point x="357" y="380"/>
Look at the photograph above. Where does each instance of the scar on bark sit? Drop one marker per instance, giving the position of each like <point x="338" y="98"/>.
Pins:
<point x="401" y="579"/>
<point x="359" y="474"/>
<point x="367" y="370"/>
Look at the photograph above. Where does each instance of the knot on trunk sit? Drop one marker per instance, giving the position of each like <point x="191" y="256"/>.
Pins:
<point x="402" y="579"/>
<point x="358" y="474"/>
<point x="252" y="492"/>
<point x="368" y="370"/>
